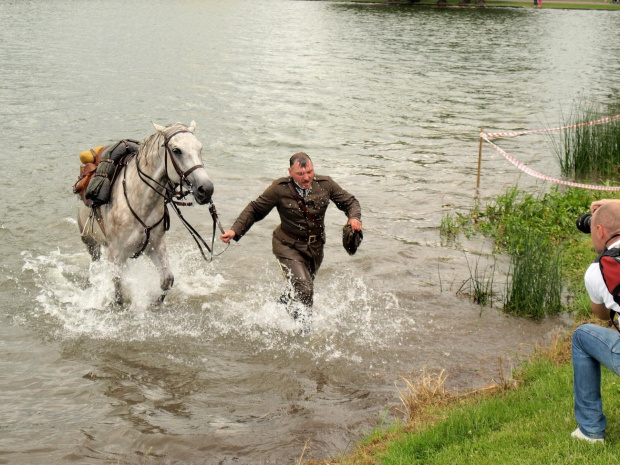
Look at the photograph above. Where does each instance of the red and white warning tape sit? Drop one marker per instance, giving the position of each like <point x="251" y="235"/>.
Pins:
<point x="536" y="131"/>
<point x="535" y="173"/>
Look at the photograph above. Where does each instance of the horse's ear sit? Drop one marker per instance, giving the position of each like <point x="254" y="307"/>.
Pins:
<point x="158" y="128"/>
<point x="192" y="126"/>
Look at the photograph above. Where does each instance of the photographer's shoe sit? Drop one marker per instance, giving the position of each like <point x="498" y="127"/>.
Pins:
<point x="579" y="435"/>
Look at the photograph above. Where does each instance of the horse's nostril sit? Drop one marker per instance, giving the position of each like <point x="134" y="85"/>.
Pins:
<point x="205" y="192"/>
<point x="208" y="189"/>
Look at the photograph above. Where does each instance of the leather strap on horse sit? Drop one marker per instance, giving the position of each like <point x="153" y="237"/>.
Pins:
<point x="147" y="229"/>
<point x="99" y="219"/>
<point x="182" y="175"/>
<point x="301" y="204"/>
<point x="197" y="237"/>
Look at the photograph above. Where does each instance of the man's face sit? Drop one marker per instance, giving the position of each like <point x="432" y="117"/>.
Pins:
<point x="302" y="176"/>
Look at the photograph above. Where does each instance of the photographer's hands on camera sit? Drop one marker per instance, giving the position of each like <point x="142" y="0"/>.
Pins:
<point x="583" y="222"/>
<point x="598" y="203"/>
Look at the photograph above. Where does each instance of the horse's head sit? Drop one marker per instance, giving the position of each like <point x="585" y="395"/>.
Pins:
<point x="183" y="161"/>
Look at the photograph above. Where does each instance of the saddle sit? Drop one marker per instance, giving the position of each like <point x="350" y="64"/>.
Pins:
<point x="90" y="160"/>
<point x="99" y="169"/>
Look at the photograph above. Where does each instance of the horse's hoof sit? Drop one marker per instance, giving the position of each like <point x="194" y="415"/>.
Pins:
<point x="119" y="300"/>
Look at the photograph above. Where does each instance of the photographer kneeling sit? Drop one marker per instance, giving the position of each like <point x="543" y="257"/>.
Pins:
<point x="594" y="345"/>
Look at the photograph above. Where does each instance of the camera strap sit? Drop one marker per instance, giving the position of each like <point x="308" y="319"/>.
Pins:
<point x="609" y="240"/>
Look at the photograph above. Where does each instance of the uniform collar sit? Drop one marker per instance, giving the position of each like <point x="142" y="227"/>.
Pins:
<point x="303" y="193"/>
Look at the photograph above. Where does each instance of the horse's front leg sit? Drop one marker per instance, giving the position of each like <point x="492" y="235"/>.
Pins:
<point x="159" y="255"/>
<point x="117" y="260"/>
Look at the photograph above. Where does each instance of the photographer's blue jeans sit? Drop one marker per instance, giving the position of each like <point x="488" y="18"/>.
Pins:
<point x="593" y="345"/>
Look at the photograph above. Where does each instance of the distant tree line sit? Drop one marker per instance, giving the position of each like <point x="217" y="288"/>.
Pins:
<point x="445" y="2"/>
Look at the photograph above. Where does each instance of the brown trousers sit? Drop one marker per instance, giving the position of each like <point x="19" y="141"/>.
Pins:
<point x="300" y="261"/>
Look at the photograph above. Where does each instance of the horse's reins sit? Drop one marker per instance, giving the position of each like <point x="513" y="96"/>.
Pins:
<point x="172" y="197"/>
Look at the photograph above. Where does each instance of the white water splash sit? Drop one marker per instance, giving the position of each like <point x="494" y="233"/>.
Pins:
<point x="75" y="298"/>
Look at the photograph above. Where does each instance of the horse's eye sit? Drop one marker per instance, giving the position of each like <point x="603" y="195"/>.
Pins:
<point x="176" y="151"/>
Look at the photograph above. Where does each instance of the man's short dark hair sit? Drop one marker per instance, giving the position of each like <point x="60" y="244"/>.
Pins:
<point x="301" y="158"/>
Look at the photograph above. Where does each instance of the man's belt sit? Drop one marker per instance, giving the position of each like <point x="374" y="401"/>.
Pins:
<point x="309" y="239"/>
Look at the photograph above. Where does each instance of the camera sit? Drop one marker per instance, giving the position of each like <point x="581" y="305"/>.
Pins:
<point x="583" y="223"/>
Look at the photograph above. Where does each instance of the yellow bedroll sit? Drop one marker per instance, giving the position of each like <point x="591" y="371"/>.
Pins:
<point x="88" y="156"/>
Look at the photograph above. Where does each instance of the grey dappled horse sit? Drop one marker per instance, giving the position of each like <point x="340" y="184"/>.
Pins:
<point x="134" y="220"/>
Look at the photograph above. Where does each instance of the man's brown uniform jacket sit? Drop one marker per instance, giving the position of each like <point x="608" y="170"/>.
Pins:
<point x="296" y="231"/>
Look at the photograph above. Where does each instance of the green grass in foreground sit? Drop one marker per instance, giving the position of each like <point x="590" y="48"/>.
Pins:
<point x="528" y="425"/>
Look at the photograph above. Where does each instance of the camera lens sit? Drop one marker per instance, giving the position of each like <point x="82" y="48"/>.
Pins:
<point x="583" y="223"/>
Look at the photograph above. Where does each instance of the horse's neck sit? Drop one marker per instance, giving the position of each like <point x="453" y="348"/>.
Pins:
<point x="152" y="163"/>
<point x="152" y="173"/>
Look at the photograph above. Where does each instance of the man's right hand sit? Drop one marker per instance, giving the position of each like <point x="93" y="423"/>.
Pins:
<point x="228" y="235"/>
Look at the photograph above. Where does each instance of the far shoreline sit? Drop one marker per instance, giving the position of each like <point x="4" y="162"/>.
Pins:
<point x="546" y="4"/>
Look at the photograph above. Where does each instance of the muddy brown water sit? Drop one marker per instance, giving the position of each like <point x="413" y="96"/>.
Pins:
<point x="387" y="100"/>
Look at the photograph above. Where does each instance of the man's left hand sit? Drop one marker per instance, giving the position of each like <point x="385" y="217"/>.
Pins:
<point x="356" y="225"/>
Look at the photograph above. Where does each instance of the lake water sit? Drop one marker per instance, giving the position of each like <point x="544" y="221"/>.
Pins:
<point x="387" y="100"/>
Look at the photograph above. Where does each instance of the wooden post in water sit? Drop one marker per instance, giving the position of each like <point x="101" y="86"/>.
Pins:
<point x="479" y="160"/>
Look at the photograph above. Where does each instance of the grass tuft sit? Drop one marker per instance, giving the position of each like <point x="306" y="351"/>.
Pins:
<point x="449" y="226"/>
<point x="421" y="393"/>
<point x="478" y="288"/>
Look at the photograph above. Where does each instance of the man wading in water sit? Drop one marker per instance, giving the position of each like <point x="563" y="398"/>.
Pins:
<point x="301" y="200"/>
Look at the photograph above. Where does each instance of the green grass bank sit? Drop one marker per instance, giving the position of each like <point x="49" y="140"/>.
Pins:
<point x="527" y="416"/>
<point x="528" y="424"/>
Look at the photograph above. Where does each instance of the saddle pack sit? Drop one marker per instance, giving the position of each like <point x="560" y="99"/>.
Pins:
<point x="99" y="169"/>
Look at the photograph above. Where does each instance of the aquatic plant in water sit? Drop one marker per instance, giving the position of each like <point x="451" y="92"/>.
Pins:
<point x="590" y="151"/>
<point x="479" y="286"/>
<point x="534" y="286"/>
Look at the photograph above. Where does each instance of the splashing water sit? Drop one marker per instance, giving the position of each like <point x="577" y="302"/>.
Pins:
<point x="77" y="299"/>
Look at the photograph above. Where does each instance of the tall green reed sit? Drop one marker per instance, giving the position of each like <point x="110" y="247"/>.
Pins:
<point x="534" y="286"/>
<point x="589" y="151"/>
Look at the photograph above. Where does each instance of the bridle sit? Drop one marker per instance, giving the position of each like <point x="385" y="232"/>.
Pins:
<point x="173" y="197"/>
<point x="182" y="174"/>
<point x="168" y="187"/>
